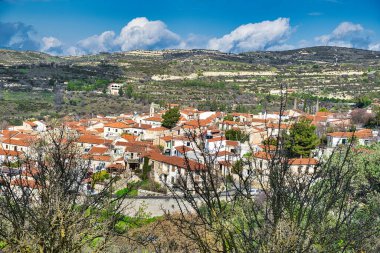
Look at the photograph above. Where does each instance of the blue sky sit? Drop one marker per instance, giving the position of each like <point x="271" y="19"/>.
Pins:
<point x="92" y="26"/>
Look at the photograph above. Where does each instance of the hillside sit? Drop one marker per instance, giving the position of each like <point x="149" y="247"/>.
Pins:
<point x="325" y="54"/>
<point x="203" y="78"/>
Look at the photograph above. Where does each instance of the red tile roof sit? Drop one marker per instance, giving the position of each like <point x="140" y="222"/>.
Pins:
<point x="129" y="137"/>
<point x="176" y="161"/>
<point x="117" y="125"/>
<point x="303" y="161"/>
<point x="232" y="143"/>
<point x="8" y="133"/>
<point x="104" y="158"/>
<point x="23" y="143"/>
<point x="157" y="129"/>
<point x="92" y="139"/>
<point x="154" y="118"/>
<point x="26" y="183"/>
<point x="361" y="134"/>
<point x="141" y="126"/>
<point x="9" y="152"/>
<point x="263" y="155"/>
<point x="183" y="149"/>
<point x="98" y="150"/>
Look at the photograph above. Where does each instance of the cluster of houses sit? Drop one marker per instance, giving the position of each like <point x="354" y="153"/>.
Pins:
<point x="122" y="144"/>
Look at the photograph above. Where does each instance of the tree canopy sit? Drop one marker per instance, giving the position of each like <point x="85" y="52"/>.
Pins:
<point x="363" y="101"/>
<point x="235" y="135"/>
<point x="301" y="139"/>
<point x="171" y="117"/>
<point x="121" y="92"/>
<point x="228" y="117"/>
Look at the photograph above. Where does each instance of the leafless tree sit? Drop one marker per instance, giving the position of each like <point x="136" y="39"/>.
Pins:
<point x="327" y="207"/>
<point x="45" y="205"/>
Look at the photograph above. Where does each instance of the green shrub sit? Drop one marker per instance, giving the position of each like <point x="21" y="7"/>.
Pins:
<point x="127" y="192"/>
<point x="150" y="185"/>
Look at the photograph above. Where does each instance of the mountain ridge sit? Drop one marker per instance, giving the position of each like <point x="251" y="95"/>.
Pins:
<point x="327" y="54"/>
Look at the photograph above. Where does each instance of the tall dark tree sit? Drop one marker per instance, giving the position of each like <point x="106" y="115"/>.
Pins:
<point x="129" y="91"/>
<point x="302" y="139"/>
<point x="171" y="117"/>
<point x="235" y="135"/>
<point x="121" y="92"/>
<point x="58" y="97"/>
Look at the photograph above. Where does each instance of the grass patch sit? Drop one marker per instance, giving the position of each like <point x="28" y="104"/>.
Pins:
<point x="128" y="222"/>
<point x="127" y="192"/>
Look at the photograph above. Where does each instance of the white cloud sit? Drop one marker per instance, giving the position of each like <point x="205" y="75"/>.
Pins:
<point x="51" y="45"/>
<point x="18" y="36"/>
<point x="140" y="33"/>
<point x="253" y="36"/>
<point x="194" y="41"/>
<point x="346" y="28"/>
<point x="98" y="43"/>
<point x="346" y="34"/>
<point x="374" y="46"/>
<point x="74" y="51"/>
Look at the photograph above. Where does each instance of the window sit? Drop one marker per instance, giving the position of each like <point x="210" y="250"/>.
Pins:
<point x="299" y="169"/>
<point x="344" y="141"/>
<point x="188" y="144"/>
<point x="116" y="130"/>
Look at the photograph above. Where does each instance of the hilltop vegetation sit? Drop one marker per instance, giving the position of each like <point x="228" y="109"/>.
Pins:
<point x="202" y="78"/>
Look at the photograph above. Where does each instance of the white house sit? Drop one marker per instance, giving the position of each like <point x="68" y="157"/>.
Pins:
<point x="363" y="136"/>
<point x="113" y="88"/>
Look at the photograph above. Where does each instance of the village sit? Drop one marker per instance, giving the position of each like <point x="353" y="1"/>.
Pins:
<point x="135" y="147"/>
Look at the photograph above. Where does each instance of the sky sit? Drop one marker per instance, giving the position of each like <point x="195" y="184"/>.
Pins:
<point x="77" y="27"/>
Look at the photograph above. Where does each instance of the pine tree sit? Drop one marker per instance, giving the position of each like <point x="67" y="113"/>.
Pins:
<point x="301" y="139"/>
<point x="171" y="118"/>
<point x="121" y="92"/>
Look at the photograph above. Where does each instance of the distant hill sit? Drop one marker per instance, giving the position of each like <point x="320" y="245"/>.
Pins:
<point x="12" y="57"/>
<point x="321" y="54"/>
<point x="316" y="54"/>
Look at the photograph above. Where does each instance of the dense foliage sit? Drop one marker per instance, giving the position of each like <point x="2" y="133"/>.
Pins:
<point x="235" y="135"/>
<point x="171" y="117"/>
<point x="301" y="139"/>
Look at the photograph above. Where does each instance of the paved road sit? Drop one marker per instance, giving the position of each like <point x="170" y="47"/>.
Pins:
<point x="157" y="205"/>
<point x="152" y="206"/>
